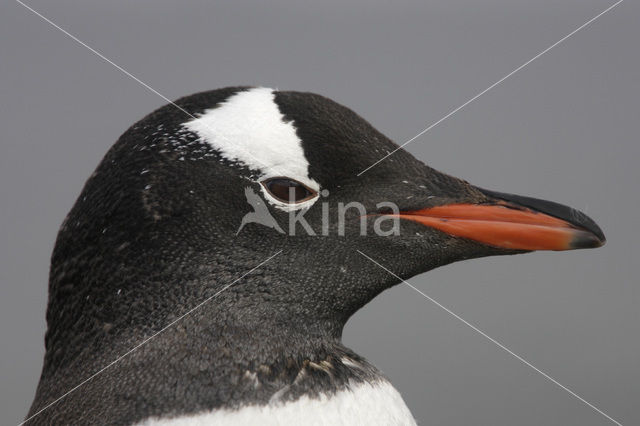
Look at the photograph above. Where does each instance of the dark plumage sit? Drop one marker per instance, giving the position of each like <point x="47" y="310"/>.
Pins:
<point x="153" y="234"/>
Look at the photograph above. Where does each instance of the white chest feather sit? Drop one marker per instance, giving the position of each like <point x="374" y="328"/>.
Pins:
<point x="363" y="404"/>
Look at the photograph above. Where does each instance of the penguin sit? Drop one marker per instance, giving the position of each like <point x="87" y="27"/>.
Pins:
<point x="209" y="265"/>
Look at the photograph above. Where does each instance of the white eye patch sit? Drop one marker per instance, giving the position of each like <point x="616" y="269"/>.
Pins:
<point x="249" y="128"/>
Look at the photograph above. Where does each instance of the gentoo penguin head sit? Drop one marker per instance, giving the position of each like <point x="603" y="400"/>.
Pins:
<point x="238" y="220"/>
<point x="199" y="192"/>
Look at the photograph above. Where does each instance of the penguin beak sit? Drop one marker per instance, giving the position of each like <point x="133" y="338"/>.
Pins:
<point x="513" y="222"/>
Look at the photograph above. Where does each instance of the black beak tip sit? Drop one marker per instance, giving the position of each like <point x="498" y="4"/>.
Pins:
<point x="587" y="239"/>
<point x="588" y="234"/>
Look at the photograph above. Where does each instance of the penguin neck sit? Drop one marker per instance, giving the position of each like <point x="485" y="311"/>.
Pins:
<point x="262" y="337"/>
<point x="253" y="326"/>
<point x="235" y="349"/>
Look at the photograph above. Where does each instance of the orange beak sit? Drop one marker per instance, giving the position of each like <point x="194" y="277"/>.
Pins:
<point x="513" y="225"/>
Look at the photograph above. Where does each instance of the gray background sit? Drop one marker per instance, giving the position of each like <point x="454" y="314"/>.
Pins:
<point x="565" y="128"/>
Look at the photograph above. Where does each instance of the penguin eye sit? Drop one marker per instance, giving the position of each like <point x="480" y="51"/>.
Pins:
<point x="288" y="190"/>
